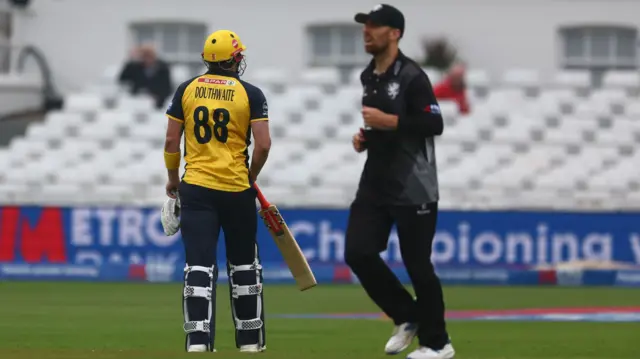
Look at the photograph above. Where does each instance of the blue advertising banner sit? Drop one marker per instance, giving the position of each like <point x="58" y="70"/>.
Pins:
<point x="100" y="236"/>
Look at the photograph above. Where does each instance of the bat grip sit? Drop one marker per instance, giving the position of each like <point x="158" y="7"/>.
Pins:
<point x="263" y="201"/>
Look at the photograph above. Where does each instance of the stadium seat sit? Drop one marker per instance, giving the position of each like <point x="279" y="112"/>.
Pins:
<point x="117" y="118"/>
<point x="119" y="193"/>
<point x="286" y="104"/>
<point x="477" y="78"/>
<point x="149" y="131"/>
<point x="354" y="77"/>
<point x="63" y="118"/>
<point x="26" y="149"/>
<point x="294" y="174"/>
<point x="450" y="110"/>
<point x="84" y="174"/>
<point x="136" y="104"/>
<point x="622" y="79"/>
<point x="609" y="96"/>
<point x="99" y="131"/>
<point x="77" y="149"/>
<point x="461" y="176"/>
<point x="330" y="197"/>
<point x="561" y="96"/>
<point x="434" y="74"/>
<point x="521" y="78"/>
<point x="111" y="73"/>
<point x="346" y="99"/>
<point x="179" y="74"/>
<point x="564" y="147"/>
<point x="543" y="108"/>
<point x="632" y="110"/>
<point x="519" y="128"/>
<point x="342" y="175"/>
<point x="83" y="102"/>
<point x="620" y="131"/>
<point x="43" y="132"/>
<point x="13" y="193"/>
<point x="570" y="130"/>
<point x="587" y="110"/>
<point x="579" y="168"/>
<point x="268" y="76"/>
<point x="468" y="128"/>
<point x="320" y="76"/>
<point x="61" y="194"/>
<point x="571" y="79"/>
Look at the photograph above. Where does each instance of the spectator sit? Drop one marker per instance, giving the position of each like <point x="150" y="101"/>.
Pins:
<point x="145" y="73"/>
<point x="453" y="87"/>
<point x="128" y="71"/>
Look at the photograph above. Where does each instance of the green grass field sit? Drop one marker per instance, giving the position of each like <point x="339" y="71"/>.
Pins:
<point x="83" y="320"/>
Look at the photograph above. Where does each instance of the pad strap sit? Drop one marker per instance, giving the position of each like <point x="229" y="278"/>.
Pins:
<point x="198" y="292"/>
<point x="238" y="290"/>
<point x="250" y="324"/>
<point x="208" y="270"/>
<point x="199" y="326"/>
<point x="245" y="267"/>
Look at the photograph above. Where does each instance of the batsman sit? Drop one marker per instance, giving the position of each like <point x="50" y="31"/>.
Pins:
<point x="218" y="113"/>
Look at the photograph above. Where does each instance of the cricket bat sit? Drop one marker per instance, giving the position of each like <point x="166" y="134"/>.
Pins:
<point x="286" y="243"/>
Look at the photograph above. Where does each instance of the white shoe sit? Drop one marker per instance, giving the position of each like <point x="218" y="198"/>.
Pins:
<point x="252" y="348"/>
<point x="401" y="338"/>
<point x="197" y="348"/>
<point x="427" y="353"/>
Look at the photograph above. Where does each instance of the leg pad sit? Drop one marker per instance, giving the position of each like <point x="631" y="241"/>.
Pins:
<point x="245" y="281"/>
<point x="198" y="305"/>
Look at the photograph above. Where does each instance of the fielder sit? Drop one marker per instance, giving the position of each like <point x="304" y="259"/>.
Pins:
<point x="398" y="186"/>
<point x="218" y="112"/>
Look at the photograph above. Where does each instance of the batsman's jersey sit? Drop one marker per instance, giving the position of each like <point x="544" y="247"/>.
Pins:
<point x="216" y="110"/>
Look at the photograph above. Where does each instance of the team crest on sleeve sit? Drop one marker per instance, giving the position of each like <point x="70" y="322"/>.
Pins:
<point x="265" y="109"/>
<point x="393" y="89"/>
<point x="433" y="109"/>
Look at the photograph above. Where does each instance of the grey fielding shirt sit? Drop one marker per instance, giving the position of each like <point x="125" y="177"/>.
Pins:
<point x="401" y="164"/>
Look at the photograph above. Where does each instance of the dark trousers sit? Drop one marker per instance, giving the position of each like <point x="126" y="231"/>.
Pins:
<point x="367" y="235"/>
<point x="203" y="213"/>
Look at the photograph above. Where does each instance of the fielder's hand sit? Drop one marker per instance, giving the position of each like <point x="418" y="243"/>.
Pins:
<point x="358" y="142"/>
<point x="377" y="119"/>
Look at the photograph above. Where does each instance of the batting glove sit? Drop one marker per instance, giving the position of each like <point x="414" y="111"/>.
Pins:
<point x="170" y="216"/>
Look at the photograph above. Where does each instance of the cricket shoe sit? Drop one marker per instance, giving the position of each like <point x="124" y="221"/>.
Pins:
<point x="197" y="348"/>
<point x="446" y="352"/>
<point x="252" y="348"/>
<point x="401" y="338"/>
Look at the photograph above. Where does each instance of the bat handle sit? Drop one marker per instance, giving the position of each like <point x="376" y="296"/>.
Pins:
<point x="263" y="201"/>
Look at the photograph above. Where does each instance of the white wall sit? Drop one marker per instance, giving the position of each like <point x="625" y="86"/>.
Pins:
<point x="82" y="37"/>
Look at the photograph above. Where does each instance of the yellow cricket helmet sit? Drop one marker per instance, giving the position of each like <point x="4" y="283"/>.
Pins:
<point x="222" y="45"/>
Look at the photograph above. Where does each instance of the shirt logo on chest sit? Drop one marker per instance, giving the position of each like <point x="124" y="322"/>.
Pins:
<point x="393" y="89"/>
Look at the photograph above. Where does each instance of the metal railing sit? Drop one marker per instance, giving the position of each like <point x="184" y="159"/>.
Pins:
<point x="29" y="62"/>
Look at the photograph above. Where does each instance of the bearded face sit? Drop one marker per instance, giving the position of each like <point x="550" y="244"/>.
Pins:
<point x="377" y="38"/>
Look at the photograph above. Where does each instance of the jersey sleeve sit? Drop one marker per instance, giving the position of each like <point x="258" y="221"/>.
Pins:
<point x="423" y="115"/>
<point x="175" y="111"/>
<point x="258" y="103"/>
